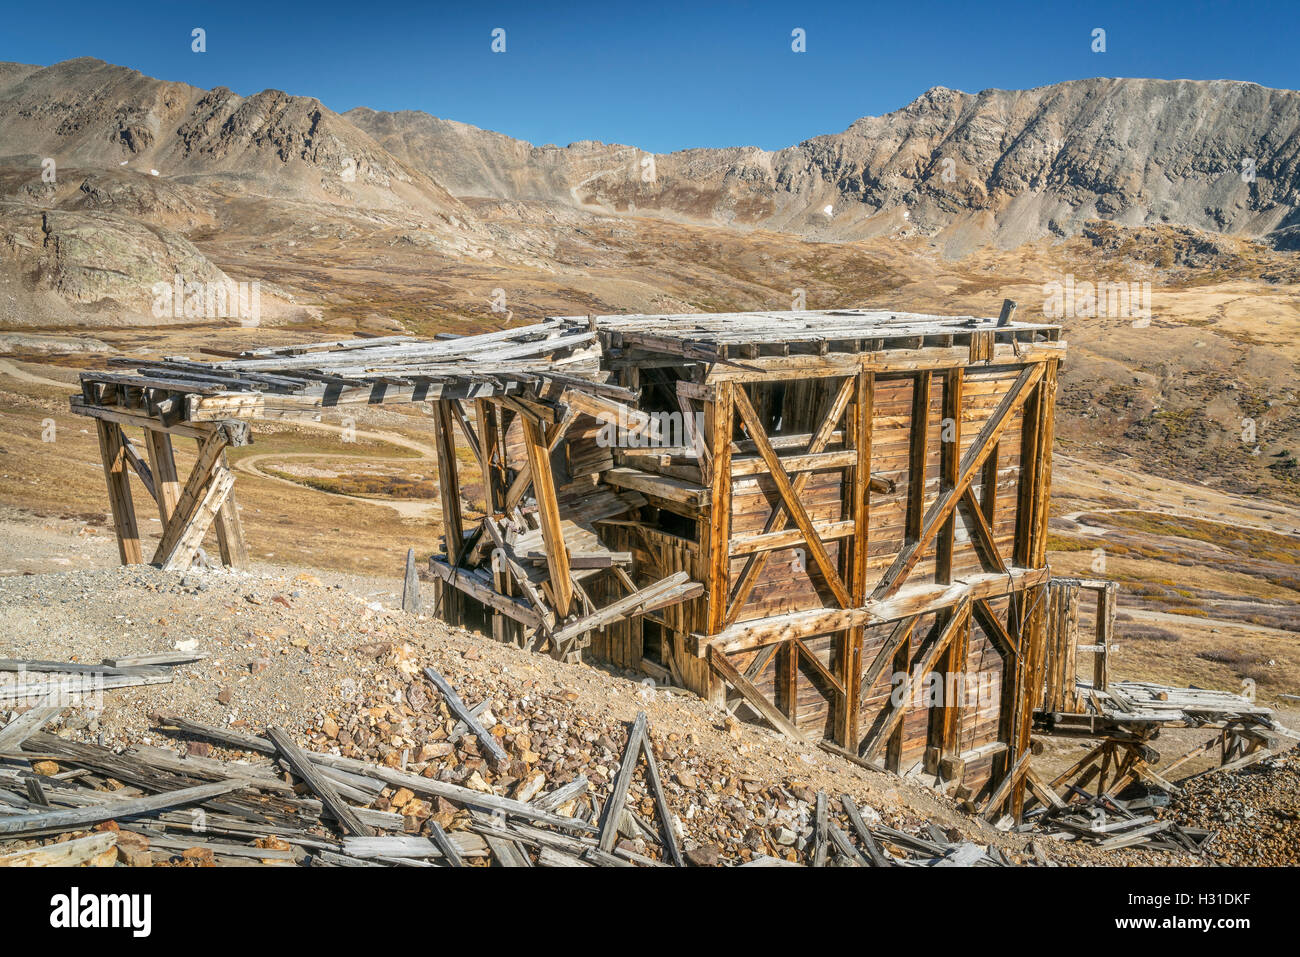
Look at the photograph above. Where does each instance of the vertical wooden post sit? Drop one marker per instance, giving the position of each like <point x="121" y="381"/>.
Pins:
<point x="851" y="674"/>
<point x="162" y="462"/>
<point x="1031" y="433"/>
<point x="1043" y="483"/>
<point x="113" y="453"/>
<point x="917" y="450"/>
<point x="949" y="458"/>
<point x="230" y="532"/>
<point x="548" y="513"/>
<point x="493" y="467"/>
<point x="448" y="483"/>
<point x="720" y="425"/>
<point x="1105" y="626"/>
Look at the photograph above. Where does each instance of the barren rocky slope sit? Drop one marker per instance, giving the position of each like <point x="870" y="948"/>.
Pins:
<point x="88" y="113"/>
<point x="1001" y="165"/>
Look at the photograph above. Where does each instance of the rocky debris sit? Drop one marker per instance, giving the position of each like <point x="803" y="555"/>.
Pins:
<point x="321" y="809"/>
<point x="355" y="690"/>
<point x="1255" y="811"/>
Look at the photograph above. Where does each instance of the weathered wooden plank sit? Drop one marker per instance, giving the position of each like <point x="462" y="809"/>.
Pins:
<point x="489" y="742"/>
<point x="67" y="819"/>
<point x="548" y="513"/>
<point x="29" y="722"/>
<point x="770" y="713"/>
<point x="320" y="785"/>
<point x="81" y="850"/>
<point x="622" y="781"/>
<point x="113" y="453"/>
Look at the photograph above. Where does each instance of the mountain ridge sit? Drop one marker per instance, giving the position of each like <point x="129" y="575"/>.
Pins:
<point x="998" y="167"/>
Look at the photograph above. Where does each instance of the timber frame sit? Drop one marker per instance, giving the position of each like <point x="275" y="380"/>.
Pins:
<point x="812" y="518"/>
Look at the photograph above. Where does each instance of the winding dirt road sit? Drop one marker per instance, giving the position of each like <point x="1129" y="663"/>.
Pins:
<point x="412" y="509"/>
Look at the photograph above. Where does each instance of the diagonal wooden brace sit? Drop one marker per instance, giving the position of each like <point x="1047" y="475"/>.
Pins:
<point x="926" y="663"/>
<point x="195" y="497"/>
<point x="791" y="498"/>
<point x="979" y="450"/>
<point x="777" y="520"/>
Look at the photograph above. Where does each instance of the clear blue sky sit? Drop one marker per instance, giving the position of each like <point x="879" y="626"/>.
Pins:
<point x="653" y="73"/>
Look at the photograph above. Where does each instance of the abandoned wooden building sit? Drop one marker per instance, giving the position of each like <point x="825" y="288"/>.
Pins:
<point x="785" y="513"/>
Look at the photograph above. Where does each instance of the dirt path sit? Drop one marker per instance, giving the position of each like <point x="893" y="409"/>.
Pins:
<point x="15" y="371"/>
<point x="1171" y="497"/>
<point x="1197" y="621"/>
<point x="421" y="510"/>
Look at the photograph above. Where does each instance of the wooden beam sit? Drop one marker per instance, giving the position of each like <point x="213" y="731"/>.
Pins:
<point x="622" y="781"/>
<point x="900" y="634"/>
<point x="858" y="556"/>
<point x="916" y="600"/>
<point x="196" y="526"/>
<point x="493" y="454"/>
<point x="818" y="666"/>
<point x="983" y="537"/>
<point x="671" y="590"/>
<point x="1043" y="486"/>
<point x="81" y="850"/>
<point x="113" y="454"/>
<point x="949" y="453"/>
<point x="661" y="801"/>
<point x="519" y="576"/>
<point x="1003" y="790"/>
<point x="918" y="448"/>
<point x="453" y="528"/>
<point x="68" y="819"/>
<point x="126" y="417"/>
<point x="323" y="788"/>
<point x="457" y="707"/>
<point x="465" y="581"/>
<point x="720" y="426"/>
<point x="548" y="514"/>
<point x="139" y="466"/>
<point x="694" y="434"/>
<point x="162" y="461"/>
<point x="230" y="532"/>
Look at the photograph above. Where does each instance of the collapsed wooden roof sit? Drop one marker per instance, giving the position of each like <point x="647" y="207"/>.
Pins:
<point x="539" y="362"/>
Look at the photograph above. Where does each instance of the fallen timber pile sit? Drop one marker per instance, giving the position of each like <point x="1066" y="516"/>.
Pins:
<point x="1110" y="823"/>
<point x="246" y="815"/>
<point x="64" y="803"/>
<point x="50" y="682"/>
